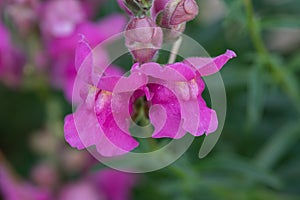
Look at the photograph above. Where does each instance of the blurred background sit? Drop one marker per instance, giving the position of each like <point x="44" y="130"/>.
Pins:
<point x="257" y="156"/>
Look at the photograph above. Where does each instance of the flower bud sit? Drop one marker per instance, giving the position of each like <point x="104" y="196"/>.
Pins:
<point x="173" y="14"/>
<point x="143" y="38"/>
<point x="180" y="11"/>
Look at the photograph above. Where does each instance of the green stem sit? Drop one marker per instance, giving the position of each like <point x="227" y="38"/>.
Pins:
<point x="174" y="51"/>
<point x="254" y="30"/>
<point x="280" y="74"/>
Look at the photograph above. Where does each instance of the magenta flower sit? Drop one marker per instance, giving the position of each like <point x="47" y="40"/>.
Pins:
<point x="173" y="98"/>
<point x="176" y="104"/>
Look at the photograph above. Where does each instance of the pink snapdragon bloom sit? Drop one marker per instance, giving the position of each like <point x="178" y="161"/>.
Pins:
<point x="61" y="32"/>
<point x="11" y="59"/>
<point x="173" y="98"/>
<point x="176" y="104"/>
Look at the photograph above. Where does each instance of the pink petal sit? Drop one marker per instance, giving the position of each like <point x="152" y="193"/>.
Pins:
<point x="82" y="51"/>
<point x="82" y="130"/>
<point x="190" y="115"/>
<point x="209" y="66"/>
<point x="71" y="134"/>
<point x="123" y="84"/>
<point x="165" y="114"/>
<point x="113" y="70"/>
<point x="208" y="121"/>
<point x="114" y="132"/>
<point x="174" y="72"/>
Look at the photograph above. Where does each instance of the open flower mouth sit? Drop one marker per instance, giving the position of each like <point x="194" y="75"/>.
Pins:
<point x="140" y="114"/>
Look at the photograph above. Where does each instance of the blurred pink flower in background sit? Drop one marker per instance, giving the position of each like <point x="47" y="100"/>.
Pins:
<point x="11" y="59"/>
<point x="59" y="23"/>
<point x="61" y="32"/>
<point x="105" y="184"/>
<point x="24" y="14"/>
<point x="80" y="190"/>
<point x="115" y="185"/>
<point x="14" y="189"/>
<point x="44" y="174"/>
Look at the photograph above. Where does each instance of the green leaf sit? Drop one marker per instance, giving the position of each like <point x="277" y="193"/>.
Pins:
<point x="294" y="62"/>
<point x="256" y="91"/>
<point x="278" y="145"/>
<point x="238" y="167"/>
<point x="280" y="22"/>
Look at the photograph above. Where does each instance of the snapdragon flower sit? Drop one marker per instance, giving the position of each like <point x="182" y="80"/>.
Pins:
<point x="172" y="94"/>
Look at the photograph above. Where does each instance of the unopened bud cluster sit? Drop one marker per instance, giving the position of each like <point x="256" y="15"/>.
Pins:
<point x="144" y="35"/>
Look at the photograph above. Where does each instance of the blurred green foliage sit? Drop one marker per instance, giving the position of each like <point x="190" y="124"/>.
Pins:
<point x="257" y="156"/>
